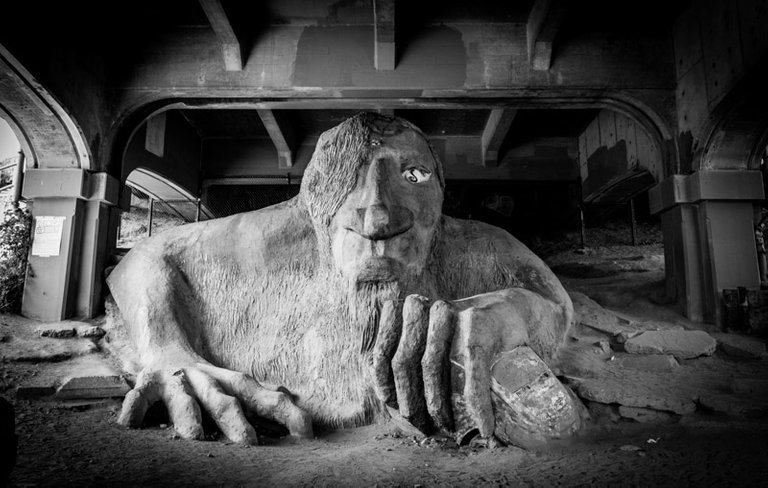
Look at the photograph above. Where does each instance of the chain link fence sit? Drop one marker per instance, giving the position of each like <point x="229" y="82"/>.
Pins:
<point x="225" y="200"/>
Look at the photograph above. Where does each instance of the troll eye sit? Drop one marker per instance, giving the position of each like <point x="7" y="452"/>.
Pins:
<point x="416" y="175"/>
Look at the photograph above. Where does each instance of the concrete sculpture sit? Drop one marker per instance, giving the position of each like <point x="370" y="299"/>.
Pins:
<point x="358" y="298"/>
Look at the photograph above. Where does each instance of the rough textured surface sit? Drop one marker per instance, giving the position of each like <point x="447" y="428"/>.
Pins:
<point x="34" y="392"/>
<point x="755" y="386"/>
<point x="651" y="362"/>
<point x="741" y="346"/>
<point x="91" y="332"/>
<point x="45" y="350"/>
<point x="684" y="344"/>
<point x="590" y="313"/>
<point x="60" y="330"/>
<point x="79" y="444"/>
<point x="602" y="413"/>
<point x="643" y="392"/>
<point x="644" y="415"/>
<point x="638" y="385"/>
<point x="294" y="297"/>
<point x="530" y="405"/>
<point x="24" y="341"/>
<point x="81" y="447"/>
<point x="735" y="405"/>
<point x="93" y="387"/>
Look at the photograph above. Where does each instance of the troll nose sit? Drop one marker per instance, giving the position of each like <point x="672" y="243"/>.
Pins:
<point x="378" y="221"/>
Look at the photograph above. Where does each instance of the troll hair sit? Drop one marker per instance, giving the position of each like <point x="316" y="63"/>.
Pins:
<point x="331" y="174"/>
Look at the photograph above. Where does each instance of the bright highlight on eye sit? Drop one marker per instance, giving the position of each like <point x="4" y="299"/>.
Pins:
<point x="416" y="175"/>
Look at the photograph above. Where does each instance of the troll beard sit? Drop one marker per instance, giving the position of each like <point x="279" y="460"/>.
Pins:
<point x="364" y="303"/>
<point x="338" y="356"/>
<point x="365" y="299"/>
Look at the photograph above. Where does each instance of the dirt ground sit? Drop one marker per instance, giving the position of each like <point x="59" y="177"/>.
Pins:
<point x="73" y="447"/>
<point x="80" y="444"/>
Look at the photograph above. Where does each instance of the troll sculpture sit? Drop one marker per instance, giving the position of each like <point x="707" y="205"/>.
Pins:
<point x="358" y="298"/>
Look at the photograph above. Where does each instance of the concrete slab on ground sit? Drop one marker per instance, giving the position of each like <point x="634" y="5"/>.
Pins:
<point x="57" y="330"/>
<point x="683" y="344"/>
<point x="734" y="405"/>
<point x="34" y="392"/>
<point x="49" y="376"/>
<point x="68" y="329"/>
<point x="650" y="362"/>
<point x="91" y="332"/>
<point x="45" y="349"/>
<point x="645" y="415"/>
<point x="712" y="383"/>
<point x="643" y="390"/>
<point x="740" y="346"/>
<point x="81" y="387"/>
<point x="590" y="313"/>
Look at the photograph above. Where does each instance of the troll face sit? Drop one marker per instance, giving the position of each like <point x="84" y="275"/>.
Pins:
<point x="383" y="227"/>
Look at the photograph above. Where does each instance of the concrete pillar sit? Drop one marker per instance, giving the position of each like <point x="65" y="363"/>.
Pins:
<point x="71" y="242"/>
<point x="709" y="240"/>
<point x="18" y="178"/>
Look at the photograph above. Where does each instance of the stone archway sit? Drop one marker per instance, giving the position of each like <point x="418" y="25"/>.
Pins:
<point x="65" y="280"/>
<point x="738" y="129"/>
<point x="49" y="136"/>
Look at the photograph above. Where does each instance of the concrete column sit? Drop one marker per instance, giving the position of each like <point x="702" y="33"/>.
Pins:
<point x="709" y="240"/>
<point x="18" y="178"/>
<point x="64" y="278"/>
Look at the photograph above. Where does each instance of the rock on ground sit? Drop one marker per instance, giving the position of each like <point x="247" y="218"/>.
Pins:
<point x="91" y="332"/>
<point x="644" y="392"/>
<point x="45" y="349"/>
<point x="740" y="346"/>
<point x="650" y="362"/>
<point x="34" y="392"/>
<point x="601" y="413"/>
<point x="645" y="415"/>
<point x="734" y="405"/>
<point x="59" y="330"/>
<point x="591" y="314"/>
<point x="93" y="387"/>
<point x="68" y="329"/>
<point x="683" y="344"/>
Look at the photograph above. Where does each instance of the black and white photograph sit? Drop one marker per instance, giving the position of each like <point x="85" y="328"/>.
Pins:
<point x="347" y="243"/>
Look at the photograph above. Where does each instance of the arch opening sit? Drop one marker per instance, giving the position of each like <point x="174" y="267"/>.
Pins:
<point x="156" y="204"/>
<point x="9" y="156"/>
<point x="550" y="163"/>
<point x="737" y="132"/>
<point x="49" y="136"/>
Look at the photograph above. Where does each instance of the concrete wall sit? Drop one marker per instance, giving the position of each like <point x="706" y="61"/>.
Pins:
<point x="227" y="158"/>
<point x="332" y="67"/>
<point x="612" y="146"/>
<point x="109" y="71"/>
<point x="458" y="56"/>
<point x="542" y="159"/>
<point x="716" y="44"/>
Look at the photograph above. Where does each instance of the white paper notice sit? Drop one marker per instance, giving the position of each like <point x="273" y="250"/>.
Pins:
<point x="47" y="239"/>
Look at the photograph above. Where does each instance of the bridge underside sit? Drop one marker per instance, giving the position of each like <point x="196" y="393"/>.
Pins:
<point x="585" y="103"/>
